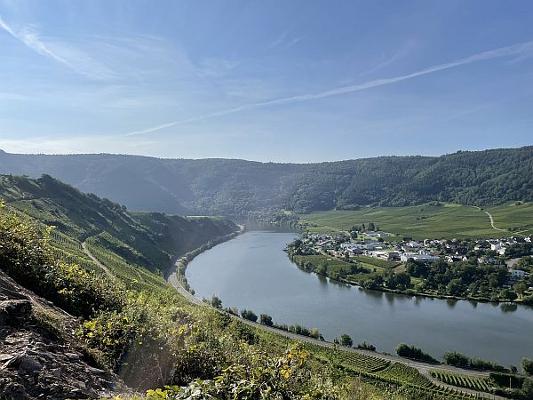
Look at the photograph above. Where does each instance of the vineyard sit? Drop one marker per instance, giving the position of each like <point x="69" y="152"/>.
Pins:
<point x="406" y="380"/>
<point x="361" y="362"/>
<point x="133" y="276"/>
<point x="481" y="384"/>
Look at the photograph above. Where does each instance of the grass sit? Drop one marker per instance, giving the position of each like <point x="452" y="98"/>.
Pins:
<point x="429" y="220"/>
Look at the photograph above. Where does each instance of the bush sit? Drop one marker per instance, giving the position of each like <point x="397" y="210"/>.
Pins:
<point x="346" y="340"/>
<point x="414" y="353"/>
<point x="366" y="346"/>
<point x="506" y="380"/>
<point x="527" y="365"/>
<point x="457" y="359"/>
<point x="266" y="319"/>
<point x="26" y="256"/>
<point x="216" y="302"/>
<point x="461" y="361"/>
<point x="249" y="315"/>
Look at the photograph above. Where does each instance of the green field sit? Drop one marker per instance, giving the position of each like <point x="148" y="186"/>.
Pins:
<point x="430" y="220"/>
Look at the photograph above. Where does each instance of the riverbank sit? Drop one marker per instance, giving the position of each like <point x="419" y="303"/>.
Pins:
<point x="371" y="277"/>
<point x="175" y="273"/>
<point x="424" y="369"/>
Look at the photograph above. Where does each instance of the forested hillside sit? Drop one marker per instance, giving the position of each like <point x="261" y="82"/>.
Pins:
<point x="238" y="188"/>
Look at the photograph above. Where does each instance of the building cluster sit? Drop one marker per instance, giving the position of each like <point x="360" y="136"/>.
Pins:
<point x="376" y="244"/>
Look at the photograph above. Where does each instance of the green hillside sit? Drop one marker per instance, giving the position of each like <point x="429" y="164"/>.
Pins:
<point x="132" y="245"/>
<point x="243" y="188"/>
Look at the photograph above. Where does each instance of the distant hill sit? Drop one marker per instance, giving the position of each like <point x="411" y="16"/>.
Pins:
<point x="238" y="187"/>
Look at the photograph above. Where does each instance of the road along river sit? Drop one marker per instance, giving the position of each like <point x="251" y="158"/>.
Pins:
<point x="252" y="271"/>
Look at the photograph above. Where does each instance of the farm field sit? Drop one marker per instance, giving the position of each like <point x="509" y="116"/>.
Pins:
<point x="430" y="220"/>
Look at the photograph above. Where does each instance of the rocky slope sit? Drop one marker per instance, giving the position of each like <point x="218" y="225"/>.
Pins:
<point x="38" y="357"/>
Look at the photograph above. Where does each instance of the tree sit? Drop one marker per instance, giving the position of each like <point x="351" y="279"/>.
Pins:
<point x="527" y="365"/>
<point x="527" y="389"/>
<point x="249" y="315"/>
<point x="412" y="352"/>
<point x="508" y="294"/>
<point x="266" y="319"/>
<point x="346" y="340"/>
<point x="520" y="288"/>
<point x="216" y="302"/>
<point x="457" y="359"/>
<point x="314" y="333"/>
<point x="455" y="287"/>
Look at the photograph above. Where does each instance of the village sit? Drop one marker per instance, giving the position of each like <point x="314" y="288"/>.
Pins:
<point x="386" y="246"/>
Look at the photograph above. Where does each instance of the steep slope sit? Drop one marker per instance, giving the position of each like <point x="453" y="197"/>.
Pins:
<point x="36" y="342"/>
<point x="238" y="187"/>
<point x="125" y="242"/>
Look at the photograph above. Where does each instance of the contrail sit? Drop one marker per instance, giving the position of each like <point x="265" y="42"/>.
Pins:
<point x="516" y="49"/>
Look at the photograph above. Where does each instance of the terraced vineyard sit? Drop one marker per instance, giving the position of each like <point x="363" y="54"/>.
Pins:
<point x="469" y="382"/>
<point x="133" y="276"/>
<point x="362" y="362"/>
<point x="409" y="380"/>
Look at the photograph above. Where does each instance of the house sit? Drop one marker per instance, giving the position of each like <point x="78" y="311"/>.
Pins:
<point x="518" y="273"/>
<point x="425" y="258"/>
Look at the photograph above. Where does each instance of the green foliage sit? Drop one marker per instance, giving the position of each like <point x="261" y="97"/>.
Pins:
<point x="414" y="353"/>
<point x="249" y="315"/>
<point x="527" y="365"/>
<point x="460" y="360"/>
<point x="345" y="340"/>
<point x="25" y="255"/>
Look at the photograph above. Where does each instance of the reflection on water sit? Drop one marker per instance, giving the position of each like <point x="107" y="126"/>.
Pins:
<point x="251" y="271"/>
<point x="508" y="307"/>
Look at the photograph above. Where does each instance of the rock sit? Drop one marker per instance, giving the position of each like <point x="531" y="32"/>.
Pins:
<point x="6" y="357"/>
<point x="23" y="362"/>
<point x="13" y="391"/>
<point x="14" y="311"/>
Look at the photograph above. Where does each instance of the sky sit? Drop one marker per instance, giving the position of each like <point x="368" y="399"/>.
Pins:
<point x="282" y="81"/>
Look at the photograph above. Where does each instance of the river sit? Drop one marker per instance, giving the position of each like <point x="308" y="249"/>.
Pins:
<point x="252" y="271"/>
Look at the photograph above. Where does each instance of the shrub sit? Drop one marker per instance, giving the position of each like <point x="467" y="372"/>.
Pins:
<point x="366" y="346"/>
<point x="527" y="365"/>
<point x="414" y="353"/>
<point x="249" y="315"/>
<point x="346" y="340"/>
<point x="266" y="319"/>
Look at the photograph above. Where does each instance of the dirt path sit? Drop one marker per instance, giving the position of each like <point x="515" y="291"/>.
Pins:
<point x="492" y="222"/>
<point x="95" y="260"/>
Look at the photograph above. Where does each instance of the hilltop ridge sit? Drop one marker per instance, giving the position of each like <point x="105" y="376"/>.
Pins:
<point x="243" y="188"/>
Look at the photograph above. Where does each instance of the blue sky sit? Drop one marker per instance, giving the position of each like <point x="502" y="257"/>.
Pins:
<point x="265" y="80"/>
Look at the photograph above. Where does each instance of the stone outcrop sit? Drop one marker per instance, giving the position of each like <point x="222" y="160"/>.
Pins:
<point x="39" y="358"/>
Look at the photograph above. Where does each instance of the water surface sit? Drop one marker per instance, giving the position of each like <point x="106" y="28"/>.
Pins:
<point x="252" y="271"/>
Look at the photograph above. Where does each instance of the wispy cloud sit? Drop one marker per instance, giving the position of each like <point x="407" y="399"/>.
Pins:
<point x="65" y="54"/>
<point x="285" y="40"/>
<point x="515" y="50"/>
